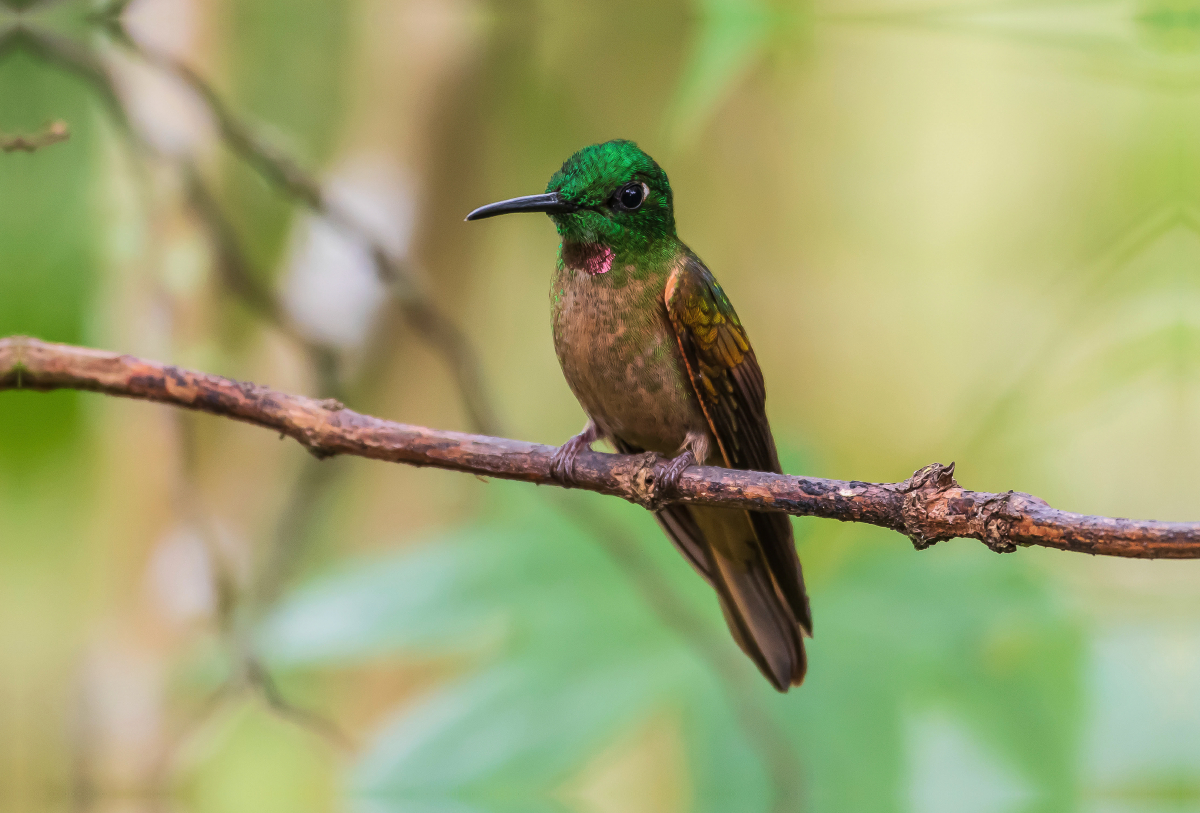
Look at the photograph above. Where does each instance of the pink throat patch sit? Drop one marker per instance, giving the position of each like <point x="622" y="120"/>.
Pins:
<point x="593" y="258"/>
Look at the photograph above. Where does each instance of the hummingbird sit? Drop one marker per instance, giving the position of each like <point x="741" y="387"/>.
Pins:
<point x="658" y="359"/>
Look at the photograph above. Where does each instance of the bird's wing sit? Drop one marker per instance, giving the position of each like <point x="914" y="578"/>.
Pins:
<point x="729" y="385"/>
<point x="722" y="367"/>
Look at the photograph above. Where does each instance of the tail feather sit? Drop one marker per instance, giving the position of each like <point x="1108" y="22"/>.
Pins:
<point x="676" y="521"/>
<point x="749" y="558"/>
<point x="761" y="620"/>
<point x="779" y="548"/>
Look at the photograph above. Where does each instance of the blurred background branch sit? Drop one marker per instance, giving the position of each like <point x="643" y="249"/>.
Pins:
<point x="52" y="133"/>
<point x="286" y="175"/>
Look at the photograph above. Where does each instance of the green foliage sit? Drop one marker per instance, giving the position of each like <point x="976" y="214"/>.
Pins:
<point x="564" y="655"/>
<point x="567" y="655"/>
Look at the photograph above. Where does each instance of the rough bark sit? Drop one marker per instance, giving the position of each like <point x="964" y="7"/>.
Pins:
<point x="928" y="507"/>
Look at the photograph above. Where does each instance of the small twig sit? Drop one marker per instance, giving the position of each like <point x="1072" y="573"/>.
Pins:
<point x="52" y="133"/>
<point x="253" y="679"/>
<point x="927" y="507"/>
<point x="292" y="531"/>
<point x="81" y="61"/>
<point x="159" y="774"/>
<point x="238" y="278"/>
<point x="285" y="173"/>
<point x="258" y="677"/>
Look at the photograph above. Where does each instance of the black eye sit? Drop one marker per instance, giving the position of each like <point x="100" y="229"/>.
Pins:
<point x="631" y="196"/>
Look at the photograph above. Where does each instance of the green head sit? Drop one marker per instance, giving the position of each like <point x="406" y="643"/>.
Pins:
<point x="610" y="194"/>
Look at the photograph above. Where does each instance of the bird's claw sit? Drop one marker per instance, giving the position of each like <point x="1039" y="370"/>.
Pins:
<point x="562" y="464"/>
<point x="668" y="474"/>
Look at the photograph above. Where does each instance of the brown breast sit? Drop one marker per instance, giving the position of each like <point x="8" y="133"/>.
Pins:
<point x="619" y="353"/>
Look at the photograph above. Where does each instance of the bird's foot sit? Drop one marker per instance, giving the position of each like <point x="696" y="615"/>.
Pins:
<point x="562" y="464"/>
<point x="667" y="474"/>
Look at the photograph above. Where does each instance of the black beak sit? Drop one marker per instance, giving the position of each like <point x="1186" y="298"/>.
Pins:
<point x="551" y="203"/>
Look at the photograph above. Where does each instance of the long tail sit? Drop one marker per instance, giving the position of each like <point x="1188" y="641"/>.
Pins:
<point x="766" y="625"/>
<point x="750" y="559"/>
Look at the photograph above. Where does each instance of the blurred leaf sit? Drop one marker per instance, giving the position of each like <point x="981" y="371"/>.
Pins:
<point x="516" y="728"/>
<point x="437" y="597"/>
<point x="726" y="772"/>
<point x="956" y="628"/>
<point x="729" y="37"/>
<point x="573" y="656"/>
<point x="580" y="658"/>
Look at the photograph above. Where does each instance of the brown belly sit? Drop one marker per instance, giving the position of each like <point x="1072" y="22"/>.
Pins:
<point x="619" y="355"/>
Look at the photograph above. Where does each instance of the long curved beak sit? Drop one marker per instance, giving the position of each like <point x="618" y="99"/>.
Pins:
<point x="551" y="203"/>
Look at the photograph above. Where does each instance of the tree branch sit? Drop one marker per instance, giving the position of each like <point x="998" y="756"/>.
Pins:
<point x="927" y="507"/>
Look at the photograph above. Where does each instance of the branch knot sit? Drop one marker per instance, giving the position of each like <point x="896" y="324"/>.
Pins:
<point x="924" y="511"/>
<point x="998" y="515"/>
<point x="643" y="482"/>
<point x="997" y="522"/>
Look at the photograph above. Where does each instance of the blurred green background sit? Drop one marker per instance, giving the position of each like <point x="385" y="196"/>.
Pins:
<point x="956" y="230"/>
